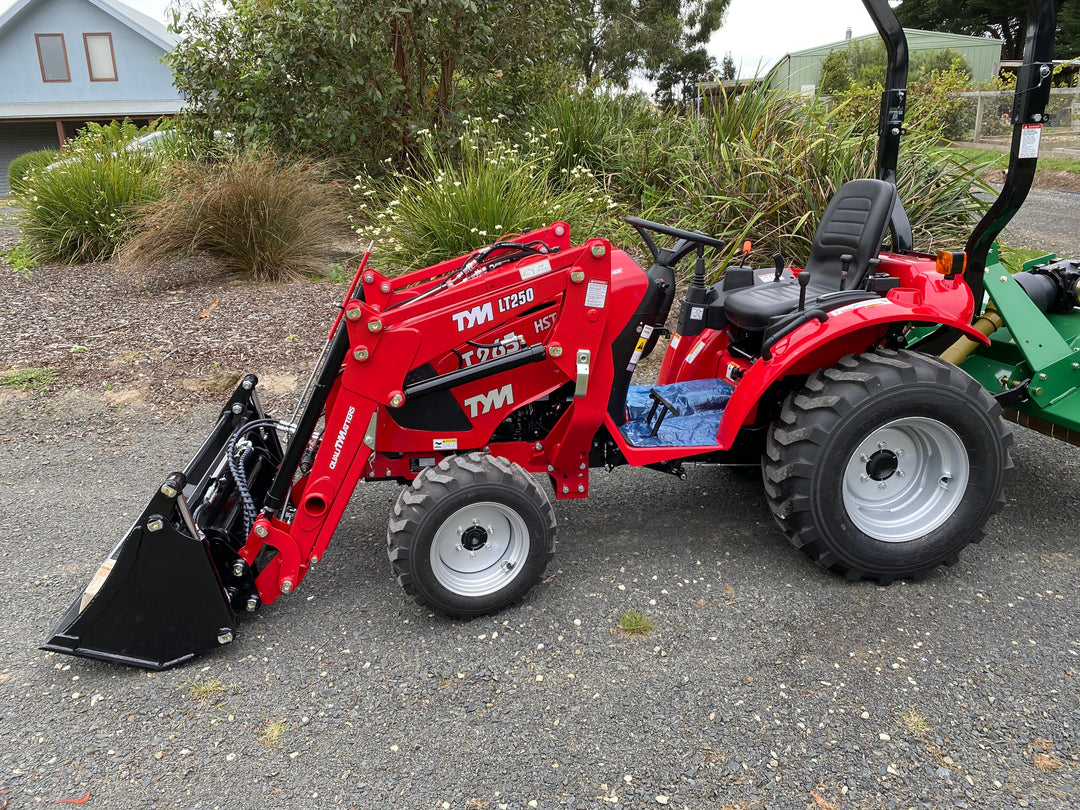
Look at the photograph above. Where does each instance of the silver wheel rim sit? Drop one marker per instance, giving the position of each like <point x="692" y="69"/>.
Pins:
<point x="905" y="479"/>
<point x="479" y="549"/>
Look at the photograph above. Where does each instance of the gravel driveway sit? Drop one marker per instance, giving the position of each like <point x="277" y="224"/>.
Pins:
<point x="768" y="683"/>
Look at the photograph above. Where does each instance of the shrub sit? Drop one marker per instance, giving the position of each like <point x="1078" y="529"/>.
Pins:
<point x="260" y="215"/>
<point x="590" y="129"/>
<point x="766" y="164"/>
<point x="25" y="164"/>
<point x="448" y="205"/>
<point x="78" y="208"/>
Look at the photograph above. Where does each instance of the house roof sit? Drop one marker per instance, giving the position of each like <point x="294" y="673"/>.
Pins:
<point x="150" y="28"/>
<point x="36" y="110"/>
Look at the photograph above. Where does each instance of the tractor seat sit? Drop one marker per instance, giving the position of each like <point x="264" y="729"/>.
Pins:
<point x="855" y="223"/>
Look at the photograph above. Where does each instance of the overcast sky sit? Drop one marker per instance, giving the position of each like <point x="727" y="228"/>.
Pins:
<point x="756" y="32"/>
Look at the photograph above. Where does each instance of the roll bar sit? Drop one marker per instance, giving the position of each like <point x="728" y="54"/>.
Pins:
<point x="894" y="96"/>
<point x="1028" y="114"/>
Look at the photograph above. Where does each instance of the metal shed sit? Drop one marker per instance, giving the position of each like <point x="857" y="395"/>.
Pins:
<point x="801" y="71"/>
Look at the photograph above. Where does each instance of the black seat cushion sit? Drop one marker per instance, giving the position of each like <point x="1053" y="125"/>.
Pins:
<point x="854" y="222"/>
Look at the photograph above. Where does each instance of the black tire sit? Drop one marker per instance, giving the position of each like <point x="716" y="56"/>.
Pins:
<point x="471" y="535"/>
<point x="842" y="495"/>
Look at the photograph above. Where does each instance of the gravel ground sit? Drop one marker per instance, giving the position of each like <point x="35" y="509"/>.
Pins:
<point x="768" y="683"/>
<point x="1050" y="221"/>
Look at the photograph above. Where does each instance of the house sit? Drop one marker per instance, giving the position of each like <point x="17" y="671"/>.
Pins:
<point x="67" y="62"/>
<point x="801" y="71"/>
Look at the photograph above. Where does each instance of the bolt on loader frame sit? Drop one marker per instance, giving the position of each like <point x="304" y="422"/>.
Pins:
<point x="468" y="380"/>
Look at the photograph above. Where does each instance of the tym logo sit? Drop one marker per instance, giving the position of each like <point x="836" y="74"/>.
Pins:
<point x="483" y="403"/>
<point x="471" y="317"/>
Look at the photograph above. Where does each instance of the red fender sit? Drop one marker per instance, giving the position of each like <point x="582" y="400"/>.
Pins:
<point x="849" y="329"/>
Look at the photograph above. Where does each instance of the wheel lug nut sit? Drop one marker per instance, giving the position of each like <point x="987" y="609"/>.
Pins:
<point x="864" y="477"/>
<point x="881" y="485"/>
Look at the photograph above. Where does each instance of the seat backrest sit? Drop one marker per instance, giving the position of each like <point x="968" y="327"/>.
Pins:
<point x="854" y="222"/>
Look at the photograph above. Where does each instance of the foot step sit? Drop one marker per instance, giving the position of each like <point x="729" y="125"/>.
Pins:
<point x="683" y="414"/>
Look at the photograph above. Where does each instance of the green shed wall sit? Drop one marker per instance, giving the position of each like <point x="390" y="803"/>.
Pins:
<point x="803" y="68"/>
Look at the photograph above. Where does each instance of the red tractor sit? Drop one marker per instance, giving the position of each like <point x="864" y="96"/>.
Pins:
<point x="464" y="380"/>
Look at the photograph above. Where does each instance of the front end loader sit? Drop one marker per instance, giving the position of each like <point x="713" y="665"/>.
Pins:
<point x="470" y="382"/>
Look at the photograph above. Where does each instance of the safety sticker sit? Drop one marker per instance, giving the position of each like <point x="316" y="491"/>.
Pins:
<point x="646" y="333"/>
<point x="675" y="341"/>
<point x="535" y="269"/>
<point x="690" y="358"/>
<point x="1030" y="135"/>
<point x="444" y="444"/>
<point x="596" y="294"/>
<point x="877" y="302"/>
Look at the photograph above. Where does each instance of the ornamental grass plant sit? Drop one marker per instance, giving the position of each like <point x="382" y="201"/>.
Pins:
<point x="451" y="202"/>
<point x="765" y="164"/>
<point x="79" y="208"/>
<point x="260" y="215"/>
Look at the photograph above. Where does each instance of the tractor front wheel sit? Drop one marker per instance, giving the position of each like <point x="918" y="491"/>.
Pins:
<point x="887" y="465"/>
<point x="471" y="535"/>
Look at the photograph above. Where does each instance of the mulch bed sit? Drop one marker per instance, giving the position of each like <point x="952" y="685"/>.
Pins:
<point x="172" y="338"/>
<point x="181" y="335"/>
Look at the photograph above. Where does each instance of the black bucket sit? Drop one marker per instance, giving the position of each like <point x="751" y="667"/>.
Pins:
<point x="170" y="589"/>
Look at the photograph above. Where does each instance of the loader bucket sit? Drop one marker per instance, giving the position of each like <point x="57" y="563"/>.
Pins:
<point x="167" y="591"/>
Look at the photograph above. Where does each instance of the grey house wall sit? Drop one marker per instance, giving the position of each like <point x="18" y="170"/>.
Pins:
<point x="23" y="137"/>
<point x="32" y="110"/>
<point x="139" y="73"/>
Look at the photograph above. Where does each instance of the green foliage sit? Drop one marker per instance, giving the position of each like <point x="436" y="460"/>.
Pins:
<point x="663" y="38"/>
<point x="32" y="380"/>
<point x="589" y="129"/>
<point x="678" y="80"/>
<point x="863" y="64"/>
<point x="355" y="81"/>
<point x="1002" y="19"/>
<point x="835" y="73"/>
<point x="261" y="216"/>
<point x="636" y="623"/>
<point x="78" y="209"/>
<point x="450" y="204"/>
<point x="19" y="259"/>
<point x="27" y="163"/>
<point x="765" y="164"/>
<point x="727" y="67"/>
<point x="934" y="106"/>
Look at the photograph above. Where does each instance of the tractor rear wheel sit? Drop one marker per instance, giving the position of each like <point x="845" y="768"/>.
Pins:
<point x="471" y="535"/>
<point x="887" y="465"/>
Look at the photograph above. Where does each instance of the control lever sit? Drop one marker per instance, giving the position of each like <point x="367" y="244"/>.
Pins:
<point x="778" y="262"/>
<point x="845" y="265"/>
<point x="804" y="280"/>
<point x="874" y="263"/>
<point x="746" y="248"/>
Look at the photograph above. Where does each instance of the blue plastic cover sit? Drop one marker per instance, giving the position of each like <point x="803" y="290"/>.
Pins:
<point x="700" y="404"/>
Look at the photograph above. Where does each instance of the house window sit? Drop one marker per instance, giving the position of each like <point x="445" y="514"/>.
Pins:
<point x="99" y="57"/>
<point x="52" y="55"/>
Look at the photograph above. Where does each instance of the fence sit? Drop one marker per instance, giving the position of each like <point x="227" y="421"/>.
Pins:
<point x="987" y="118"/>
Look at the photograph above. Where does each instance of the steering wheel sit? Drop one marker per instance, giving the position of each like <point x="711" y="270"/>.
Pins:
<point x="669" y="257"/>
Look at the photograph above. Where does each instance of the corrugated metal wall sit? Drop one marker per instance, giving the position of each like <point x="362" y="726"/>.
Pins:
<point x="800" y="70"/>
